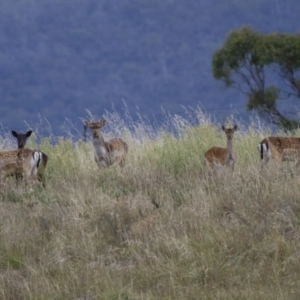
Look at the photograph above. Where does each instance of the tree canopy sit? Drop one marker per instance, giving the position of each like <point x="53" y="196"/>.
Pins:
<point x="264" y="67"/>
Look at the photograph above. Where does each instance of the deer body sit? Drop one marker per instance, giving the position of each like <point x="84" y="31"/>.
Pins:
<point x="21" y="140"/>
<point x="109" y="152"/>
<point x="279" y="149"/>
<point x="22" y="162"/>
<point x="217" y="156"/>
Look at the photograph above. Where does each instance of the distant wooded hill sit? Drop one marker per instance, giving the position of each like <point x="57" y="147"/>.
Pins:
<point x="58" y="58"/>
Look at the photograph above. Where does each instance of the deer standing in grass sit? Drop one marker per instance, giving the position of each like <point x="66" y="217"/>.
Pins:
<point x="109" y="152"/>
<point x="23" y="162"/>
<point x="222" y="156"/>
<point x="42" y="164"/>
<point x="279" y="149"/>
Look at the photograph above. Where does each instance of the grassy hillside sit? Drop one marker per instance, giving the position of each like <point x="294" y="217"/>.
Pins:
<point x="161" y="228"/>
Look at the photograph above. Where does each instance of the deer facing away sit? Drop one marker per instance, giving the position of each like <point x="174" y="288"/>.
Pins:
<point x="109" y="152"/>
<point x="279" y="149"/>
<point x="23" y="162"/>
<point x="216" y="156"/>
<point x="21" y="140"/>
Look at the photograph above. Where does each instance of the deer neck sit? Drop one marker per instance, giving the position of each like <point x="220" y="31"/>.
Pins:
<point x="100" y="146"/>
<point x="230" y="153"/>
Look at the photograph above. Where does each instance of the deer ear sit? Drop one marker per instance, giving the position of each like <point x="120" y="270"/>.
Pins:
<point x="84" y="131"/>
<point x="223" y="127"/>
<point x="28" y="133"/>
<point x="235" y="127"/>
<point x="14" y="133"/>
<point x="102" y="122"/>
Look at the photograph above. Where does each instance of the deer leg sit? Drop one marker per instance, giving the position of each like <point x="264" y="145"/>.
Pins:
<point x="29" y="175"/>
<point x="122" y="163"/>
<point x="41" y="178"/>
<point x="2" y="177"/>
<point x="265" y="159"/>
<point x="101" y="162"/>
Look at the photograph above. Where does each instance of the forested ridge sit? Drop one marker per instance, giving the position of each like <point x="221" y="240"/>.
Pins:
<point x="58" y="58"/>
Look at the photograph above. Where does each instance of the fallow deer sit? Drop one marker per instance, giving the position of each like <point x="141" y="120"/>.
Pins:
<point x="279" y="149"/>
<point x="109" y="152"/>
<point x="21" y="140"/>
<point x="23" y="162"/>
<point x="222" y="156"/>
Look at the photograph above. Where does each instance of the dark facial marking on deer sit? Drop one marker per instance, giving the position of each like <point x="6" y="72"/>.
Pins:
<point x="21" y="138"/>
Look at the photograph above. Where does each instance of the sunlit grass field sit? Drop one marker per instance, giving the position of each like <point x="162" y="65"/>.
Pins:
<point x="160" y="228"/>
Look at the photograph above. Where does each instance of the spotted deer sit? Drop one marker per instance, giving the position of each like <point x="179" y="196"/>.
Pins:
<point x="22" y="162"/>
<point x="217" y="156"/>
<point x="279" y="149"/>
<point x="107" y="153"/>
<point x="21" y="140"/>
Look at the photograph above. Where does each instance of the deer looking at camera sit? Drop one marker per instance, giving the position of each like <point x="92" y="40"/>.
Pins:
<point x="217" y="156"/>
<point x="21" y="140"/>
<point x="107" y="153"/>
<point x="279" y="149"/>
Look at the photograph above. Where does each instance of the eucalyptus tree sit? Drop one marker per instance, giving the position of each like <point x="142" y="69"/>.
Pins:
<point x="266" y="68"/>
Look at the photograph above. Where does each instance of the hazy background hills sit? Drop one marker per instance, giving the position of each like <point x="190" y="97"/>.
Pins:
<point x="60" y="57"/>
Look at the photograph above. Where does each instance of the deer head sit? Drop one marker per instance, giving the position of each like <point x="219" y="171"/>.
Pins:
<point x="95" y="127"/>
<point x="21" y="138"/>
<point x="229" y="131"/>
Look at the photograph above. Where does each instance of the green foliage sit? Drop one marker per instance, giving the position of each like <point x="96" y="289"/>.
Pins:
<point x="263" y="101"/>
<point x="245" y="60"/>
<point x="287" y="124"/>
<point x="120" y="295"/>
<point x="284" y="50"/>
<point x="239" y="51"/>
<point x="12" y="258"/>
<point x="233" y="54"/>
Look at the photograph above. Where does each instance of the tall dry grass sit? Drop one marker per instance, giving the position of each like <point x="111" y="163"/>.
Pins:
<point x="161" y="228"/>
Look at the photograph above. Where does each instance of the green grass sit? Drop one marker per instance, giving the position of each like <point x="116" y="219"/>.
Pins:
<point x="158" y="229"/>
